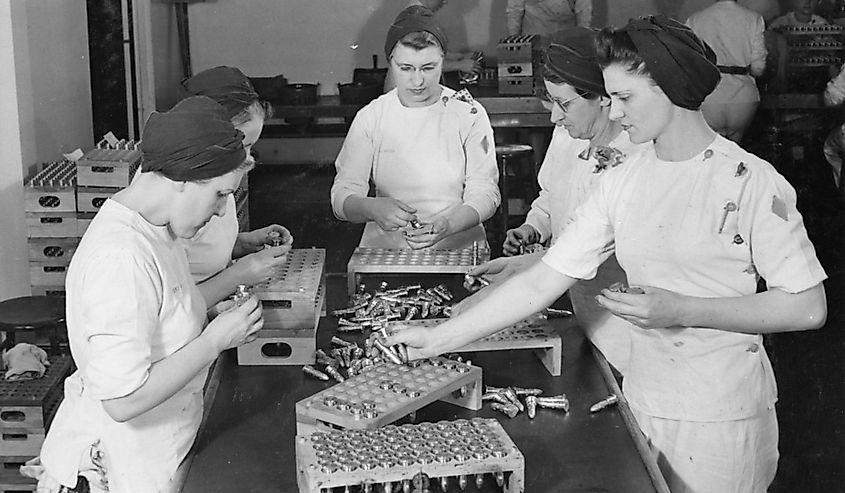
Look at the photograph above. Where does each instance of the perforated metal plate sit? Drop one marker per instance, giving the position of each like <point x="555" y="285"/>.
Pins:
<point x="297" y="279"/>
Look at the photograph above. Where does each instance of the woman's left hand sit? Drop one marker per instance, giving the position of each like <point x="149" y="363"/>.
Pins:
<point x="255" y="240"/>
<point x="429" y="234"/>
<point x="655" y="308"/>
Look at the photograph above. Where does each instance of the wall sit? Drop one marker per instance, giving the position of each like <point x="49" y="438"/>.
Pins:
<point x="45" y="100"/>
<point x="324" y="40"/>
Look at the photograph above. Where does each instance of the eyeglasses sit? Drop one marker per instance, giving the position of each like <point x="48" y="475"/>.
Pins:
<point x="563" y="105"/>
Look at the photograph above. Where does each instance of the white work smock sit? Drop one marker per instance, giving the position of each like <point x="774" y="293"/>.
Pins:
<point x="210" y="250"/>
<point x="546" y="17"/>
<point x="668" y="224"/>
<point x="130" y="303"/>
<point x="566" y="179"/>
<point x="736" y="36"/>
<point x="433" y="158"/>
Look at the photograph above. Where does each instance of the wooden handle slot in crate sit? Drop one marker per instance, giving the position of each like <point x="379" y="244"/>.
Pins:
<point x="276" y="350"/>
<point x="54" y="268"/>
<point x="102" y="169"/>
<point x="12" y="416"/>
<point x="49" y="201"/>
<point x="51" y="220"/>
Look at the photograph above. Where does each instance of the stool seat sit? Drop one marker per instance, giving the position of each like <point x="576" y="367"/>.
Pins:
<point x="510" y="150"/>
<point x="32" y="313"/>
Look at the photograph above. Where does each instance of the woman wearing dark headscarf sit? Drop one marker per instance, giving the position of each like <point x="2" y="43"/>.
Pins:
<point x="428" y="150"/>
<point x="211" y="250"/>
<point x="695" y="221"/>
<point x="584" y="145"/>
<point x="135" y="317"/>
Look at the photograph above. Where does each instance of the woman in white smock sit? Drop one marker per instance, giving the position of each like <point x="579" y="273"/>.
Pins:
<point x="695" y="221"/>
<point x="428" y="151"/>
<point x="585" y="144"/>
<point x="135" y="317"/>
<point x="211" y="251"/>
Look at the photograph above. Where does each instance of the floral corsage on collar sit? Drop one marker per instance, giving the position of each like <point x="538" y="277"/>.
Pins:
<point x="464" y="96"/>
<point x="607" y="157"/>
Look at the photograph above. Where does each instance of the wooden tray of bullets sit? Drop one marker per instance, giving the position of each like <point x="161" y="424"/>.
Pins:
<point x="536" y="334"/>
<point x="450" y="454"/>
<point x="287" y="319"/>
<point x="109" y="167"/>
<point x="292" y="290"/>
<point x="53" y="189"/>
<point x="406" y="261"/>
<point x="384" y="393"/>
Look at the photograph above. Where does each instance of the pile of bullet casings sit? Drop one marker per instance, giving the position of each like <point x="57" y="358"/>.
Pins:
<point x="349" y="357"/>
<point x="373" y="310"/>
<point x="506" y="400"/>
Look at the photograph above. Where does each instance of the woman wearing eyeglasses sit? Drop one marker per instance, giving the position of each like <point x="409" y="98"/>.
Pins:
<point x="695" y="221"/>
<point x="585" y="143"/>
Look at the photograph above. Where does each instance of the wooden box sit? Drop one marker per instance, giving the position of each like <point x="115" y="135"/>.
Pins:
<point x="91" y="199"/>
<point x="51" y="224"/>
<point x="102" y="167"/>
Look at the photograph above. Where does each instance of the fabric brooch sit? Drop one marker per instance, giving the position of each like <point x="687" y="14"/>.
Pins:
<point x="606" y="157"/>
<point x="464" y="96"/>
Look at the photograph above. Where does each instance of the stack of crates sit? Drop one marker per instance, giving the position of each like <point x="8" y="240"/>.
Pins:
<point x="26" y="410"/>
<point x="520" y="58"/>
<point x="52" y="228"/>
<point x="292" y="302"/>
<point x="102" y="172"/>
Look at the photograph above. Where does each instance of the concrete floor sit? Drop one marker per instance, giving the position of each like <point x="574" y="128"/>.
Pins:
<point x="809" y="366"/>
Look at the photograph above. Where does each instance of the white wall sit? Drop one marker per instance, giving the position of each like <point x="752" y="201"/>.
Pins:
<point x="325" y="40"/>
<point x="45" y="100"/>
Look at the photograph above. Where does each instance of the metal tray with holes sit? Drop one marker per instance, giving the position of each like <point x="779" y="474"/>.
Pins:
<point x="535" y="334"/>
<point x="448" y="454"/>
<point x="384" y="393"/>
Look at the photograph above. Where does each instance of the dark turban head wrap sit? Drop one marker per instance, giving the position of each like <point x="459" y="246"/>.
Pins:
<point x="226" y="85"/>
<point x="193" y="141"/>
<point x="571" y="56"/>
<point x="413" y="19"/>
<point x="680" y="63"/>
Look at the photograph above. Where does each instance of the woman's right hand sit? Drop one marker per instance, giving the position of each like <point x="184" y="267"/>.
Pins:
<point x="235" y="325"/>
<point x="390" y="214"/>
<point x="257" y="267"/>
<point x="520" y="237"/>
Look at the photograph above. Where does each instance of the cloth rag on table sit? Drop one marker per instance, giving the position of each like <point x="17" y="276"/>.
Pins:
<point x="25" y="362"/>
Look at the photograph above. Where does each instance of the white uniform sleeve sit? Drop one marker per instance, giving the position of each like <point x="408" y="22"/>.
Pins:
<point x="481" y="188"/>
<point x="121" y="311"/>
<point x="758" y="48"/>
<point x="515" y="12"/>
<point x="539" y="217"/>
<point x="780" y="249"/>
<point x="354" y="163"/>
<point x="587" y="240"/>
<point x="583" y="12"/>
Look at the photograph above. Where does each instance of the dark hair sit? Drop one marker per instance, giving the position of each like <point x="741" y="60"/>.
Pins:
<point x="419" y="40"/>
<point x="616" y="47"/>
<point x="549" y="75"/>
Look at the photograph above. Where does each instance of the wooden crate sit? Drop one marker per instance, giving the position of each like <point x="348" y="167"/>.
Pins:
<point x="51" y="224"/>
<point x="384" y="393"/>
<point x="19" y="441"/>
<point x="52" y="189"/>
<point x="90" y="199"/>
<point x="533" y="334"/>
<point x="293" y="290"/>
<point x="283" y="318"/>
<point x="408" y="261"/>
<point x="444" y="452"/>
<point x="105" y="167"/>
<point x="48" y="290"/>
<point x="11" y="480"/>
<point x="51" y="273"/>
<point x="280" y="347"/>
<point x="50" y="249"/>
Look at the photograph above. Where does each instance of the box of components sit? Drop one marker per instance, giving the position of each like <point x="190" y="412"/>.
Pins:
<point x="52" y="189"/>
<point x="289" y="298"/>
<point x="109" y="164"/>
<point x="366" y="260"/>
<point x="520" y="59"/>
<point x="50" y="249"/>
<point x="535" y="334"/>
<point x="381" y="394"/>
<point x="48" y="273"/>
<point x="411" y="457"/>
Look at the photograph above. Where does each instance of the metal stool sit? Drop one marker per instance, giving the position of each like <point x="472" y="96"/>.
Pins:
<point x="510" y="158"/>
<point x="32" y="313"/>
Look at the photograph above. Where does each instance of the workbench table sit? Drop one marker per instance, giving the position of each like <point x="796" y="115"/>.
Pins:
<point x="247" y="442"/>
